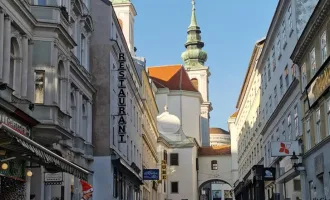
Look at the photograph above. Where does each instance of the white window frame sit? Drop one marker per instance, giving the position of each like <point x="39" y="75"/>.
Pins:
<point x="296" y="121"/>
<point x="312" y="57"/>
<point x="324" y="52"/>
<point x="308" y="135"/>
<point x="318" y="126"/>
<point x="303" y="76"/>
<point x="289" y="128"/>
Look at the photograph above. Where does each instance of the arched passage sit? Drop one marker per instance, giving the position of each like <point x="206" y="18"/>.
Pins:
<point x="215" y="189"/>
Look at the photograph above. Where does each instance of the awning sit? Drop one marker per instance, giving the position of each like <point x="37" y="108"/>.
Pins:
<point x="127" y="169"/>
<point x="23" y="145"/>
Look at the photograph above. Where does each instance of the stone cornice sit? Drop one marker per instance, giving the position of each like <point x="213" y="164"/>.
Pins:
<point x="186" y="93"/>
<point x="315" y="22"/>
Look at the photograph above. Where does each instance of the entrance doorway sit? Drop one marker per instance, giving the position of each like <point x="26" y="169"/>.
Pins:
<point x="215" y="190"/>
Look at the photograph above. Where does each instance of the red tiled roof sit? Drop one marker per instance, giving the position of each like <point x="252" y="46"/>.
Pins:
<point x="170" y="77"/>
<point x="218" y="131"/>
<point x="224" y="150"/>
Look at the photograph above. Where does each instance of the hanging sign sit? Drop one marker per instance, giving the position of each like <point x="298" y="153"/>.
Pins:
<point x="284" y="148"/>
<point x="14" y="124"/>
<point x="121" y="99"/>
<point x="150" y="174"/>
<point x="164" y="170"/>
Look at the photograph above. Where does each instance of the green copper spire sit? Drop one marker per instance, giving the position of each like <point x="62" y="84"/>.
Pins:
<point x="120" y="1"/>
<point x="194" y="57"/>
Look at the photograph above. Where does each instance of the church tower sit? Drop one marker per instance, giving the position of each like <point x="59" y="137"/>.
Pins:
<point x="126" y="13"/>
<point x="194" y="58"/>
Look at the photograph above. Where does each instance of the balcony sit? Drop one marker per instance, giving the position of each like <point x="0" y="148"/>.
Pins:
<point x="89" y="149"/>
<point x="51" y="14"/>
<point x="78" y="145"/>
<point x="54" y="124"/>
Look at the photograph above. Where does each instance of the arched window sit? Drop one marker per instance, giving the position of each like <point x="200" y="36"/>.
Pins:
<point x="73" y="112"/>
<point x="120" y="23"/>
<point x="194" y="81"/>
<point x="84" y="121"/>
<point x="14" y="55"/>
<point x="60" y="85"/>
<point x="214" y="165"/>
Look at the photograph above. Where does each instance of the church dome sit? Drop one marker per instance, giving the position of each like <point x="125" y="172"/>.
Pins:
<point x="167" y="123"/>
<point x="198" y="55"/>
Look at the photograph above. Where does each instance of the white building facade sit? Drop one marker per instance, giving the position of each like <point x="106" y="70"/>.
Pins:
<point x="44" y="61"/>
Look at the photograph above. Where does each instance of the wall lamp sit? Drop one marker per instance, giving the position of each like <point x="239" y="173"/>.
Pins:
<point x="295" y="161"/>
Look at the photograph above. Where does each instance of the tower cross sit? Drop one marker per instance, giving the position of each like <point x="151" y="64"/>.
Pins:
<point x="193" y="3"/>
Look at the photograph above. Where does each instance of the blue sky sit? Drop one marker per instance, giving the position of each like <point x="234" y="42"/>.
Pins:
<point x="230" y="29"/>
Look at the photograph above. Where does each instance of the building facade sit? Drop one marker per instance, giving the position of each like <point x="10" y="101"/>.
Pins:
<point x="280" y="102"/>
<point x="244" y="128"/>
<point x="311" y="55"/>
<point x="118" y="128"/>
<point x="150" y="157"/>
<point x="219" y="137"/>
<point x="44" y="61"/>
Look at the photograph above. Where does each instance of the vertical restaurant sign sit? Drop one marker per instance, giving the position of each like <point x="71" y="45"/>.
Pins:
<point x="121" y="99"/>
<point x="164" y="170"/>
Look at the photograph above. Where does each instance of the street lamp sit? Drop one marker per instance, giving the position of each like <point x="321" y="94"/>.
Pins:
<point x="294" y="160"/>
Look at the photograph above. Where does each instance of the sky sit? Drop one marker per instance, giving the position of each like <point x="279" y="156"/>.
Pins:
<point x="229" y="28"/>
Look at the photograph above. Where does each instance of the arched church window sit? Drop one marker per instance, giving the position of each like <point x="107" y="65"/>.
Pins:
<point x="120" y="23"/>
<point x="194" y="81"/>
<point x="214" y="165"/>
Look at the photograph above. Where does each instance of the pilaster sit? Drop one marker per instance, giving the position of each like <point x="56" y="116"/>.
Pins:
<point x="2" y="20"/>
<point x="90" y="121"/>
<point x="55" y="90"/>
<point x="78" y="112"/>
<point x="30" y="74"/>
<point x="25" y="66"/>
<point x="17" y="76"/>
<point x="6" y="49"/>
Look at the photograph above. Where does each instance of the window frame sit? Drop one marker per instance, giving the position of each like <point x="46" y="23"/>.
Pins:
<point x="171" y="159"/>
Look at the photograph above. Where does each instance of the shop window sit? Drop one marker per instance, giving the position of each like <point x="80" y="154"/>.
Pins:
<point x="174" y="159"/>
<point x="174" y="187"/>
<point x="115" y="183"/>
<point x="214" y="165"/>
<point x="39" y="86"/>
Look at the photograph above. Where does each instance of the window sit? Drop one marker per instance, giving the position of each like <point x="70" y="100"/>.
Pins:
<point x="283" y="130"/>
<point x="269" y="73"/>
<point x="323" y="47"/>
<point x="214" y="165"/>
<point x="270" y="103"/>
<point x="194" y="81"/>
<point x="284" y="34"/>
<point x="328" y="115"/>
<point x="41" y="2"/>
<point x="318" y="126"/>
<point x="39" y="86"/>
<point x="278" y="46"/>
<point x="286" y="74"/>
<point x="174" y="159"/>
<point x="303" y="76"/>
<point x="281" y="84"/>
<point x="115" y="183"/>
<point x="265" y="77"/>
<point x="290" y="19"/>
<point x="293" y="72"/>
<point x="296" y="122"/>
<point x="174" y="187"/>
<point x="289" y="127"/>
<point x="313" y="62"/>
<point x="165" y="155"/>
<point x="83" y="50"/>
<point x="275" y="96"/>
<point x="308" y="135"/>
<point x="273" y="59"/>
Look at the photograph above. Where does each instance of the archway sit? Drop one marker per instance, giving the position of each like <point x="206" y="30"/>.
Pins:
<point x="215" y="189"/>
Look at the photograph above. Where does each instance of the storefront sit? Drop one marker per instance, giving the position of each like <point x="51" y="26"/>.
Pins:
<point x="19" y="154"/>
<point x="128" y="179"/>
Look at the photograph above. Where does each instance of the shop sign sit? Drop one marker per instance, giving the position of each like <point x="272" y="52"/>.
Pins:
<point x="319" y="85"/>
<point x="284" y="148"/>
<point x="269" y="174"/>
<point x="164" y="170"/>
<point x="14" y="124"/>
<point x="121" y="99"/>
<point x="150" y="174"/>
<point x="53" y="178"/>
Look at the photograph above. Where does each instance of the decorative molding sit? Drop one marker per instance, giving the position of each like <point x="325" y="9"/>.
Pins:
<point x="315" y="22"/>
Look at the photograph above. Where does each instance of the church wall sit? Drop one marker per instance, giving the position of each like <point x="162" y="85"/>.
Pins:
<point x="187" y="109"/>
<point x="185" y="174"/>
